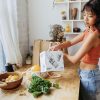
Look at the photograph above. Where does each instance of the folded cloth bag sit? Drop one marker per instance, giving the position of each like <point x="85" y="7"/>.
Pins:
<point x="51" y="61"/>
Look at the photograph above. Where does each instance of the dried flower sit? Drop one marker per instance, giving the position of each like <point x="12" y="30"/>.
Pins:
<point x="57" y="32"/>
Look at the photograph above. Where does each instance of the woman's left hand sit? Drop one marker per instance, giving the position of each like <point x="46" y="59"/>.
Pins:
<point x="55" y="47"/>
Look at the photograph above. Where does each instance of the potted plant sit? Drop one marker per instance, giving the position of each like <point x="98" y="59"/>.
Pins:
<point x="56" y="32"/>
<point x="63" y="14"/>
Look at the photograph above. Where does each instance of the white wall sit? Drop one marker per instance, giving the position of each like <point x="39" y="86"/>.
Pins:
<point x="34" y="20"/>
<point x="42" y="14"/>
<point x="22" y="15"/>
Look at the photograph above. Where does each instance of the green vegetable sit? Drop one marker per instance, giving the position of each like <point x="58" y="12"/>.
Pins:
<point x="40" y="86"/>
<point x="36" y="94"/>
<point x="56" y="85"/>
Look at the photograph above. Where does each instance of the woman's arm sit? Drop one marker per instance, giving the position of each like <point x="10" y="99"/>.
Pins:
<point x="67" y="44"/>
<point x="77" y="39"/>
<point x="87" y="45"/>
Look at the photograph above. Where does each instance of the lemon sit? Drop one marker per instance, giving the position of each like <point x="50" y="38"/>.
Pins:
<point x="36" y="68"/>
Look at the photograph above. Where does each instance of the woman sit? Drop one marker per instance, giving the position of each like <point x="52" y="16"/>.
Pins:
<point x="89" y="53"/>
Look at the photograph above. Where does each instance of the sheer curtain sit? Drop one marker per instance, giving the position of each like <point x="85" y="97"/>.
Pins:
<point x="8" y="32"/>
<point x="2" y="58"/>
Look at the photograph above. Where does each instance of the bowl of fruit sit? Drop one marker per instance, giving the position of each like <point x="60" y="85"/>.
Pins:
<point x="10" y="80"/>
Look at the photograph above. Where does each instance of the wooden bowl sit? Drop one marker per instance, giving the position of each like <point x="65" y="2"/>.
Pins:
<point x="12" y="84"/>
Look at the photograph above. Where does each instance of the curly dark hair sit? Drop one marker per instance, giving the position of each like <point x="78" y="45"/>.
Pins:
<point x="94" y="7"/>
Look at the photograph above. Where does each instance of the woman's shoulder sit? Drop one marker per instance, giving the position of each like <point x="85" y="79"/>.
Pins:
<point x="91" y="31"/>
<point x="96" y="33"/>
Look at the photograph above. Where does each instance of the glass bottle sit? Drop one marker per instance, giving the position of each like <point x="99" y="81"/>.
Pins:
<point x="68" y="28"/>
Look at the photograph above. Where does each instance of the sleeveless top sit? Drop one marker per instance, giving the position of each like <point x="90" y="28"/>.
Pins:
<point x="92" y="56"/>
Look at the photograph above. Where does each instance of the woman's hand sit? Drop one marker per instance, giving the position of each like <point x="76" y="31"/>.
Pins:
<point x="60" y="46"/>
<point x="55" y="47"/>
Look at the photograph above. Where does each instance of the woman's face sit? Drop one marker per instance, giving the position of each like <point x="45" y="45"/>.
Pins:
<point x="89" y="18"/>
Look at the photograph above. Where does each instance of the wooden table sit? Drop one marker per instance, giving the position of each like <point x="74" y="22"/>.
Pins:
<point x="69" y="83"/>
